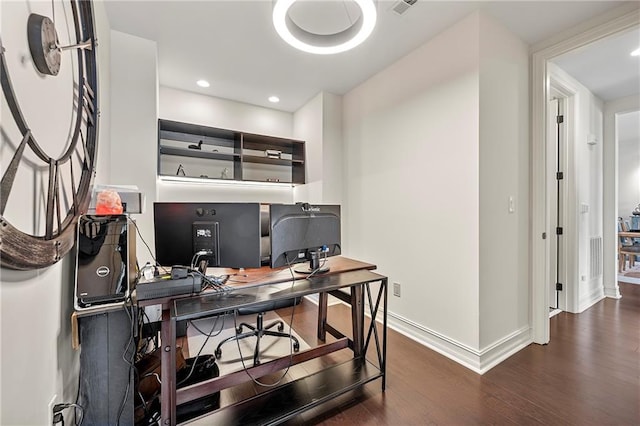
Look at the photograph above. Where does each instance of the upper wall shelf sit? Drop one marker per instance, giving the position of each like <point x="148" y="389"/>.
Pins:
<point x="210" y="153"/>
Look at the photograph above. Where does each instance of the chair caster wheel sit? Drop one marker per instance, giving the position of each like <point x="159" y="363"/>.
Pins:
<point x="239" y="330"/>
<point x="296" y="347"/>
<point x="280" y="327"/>
<point x="256" y="363"/>
<point x="218" y="353"/>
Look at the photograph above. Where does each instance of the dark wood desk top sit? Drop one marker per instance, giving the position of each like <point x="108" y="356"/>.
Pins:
<point x="251" y="277"/>
<point x="265" y="275"/>
<point x="206" y="304"/>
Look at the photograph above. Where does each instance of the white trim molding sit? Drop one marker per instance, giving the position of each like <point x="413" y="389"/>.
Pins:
<point x="610" y="158"/>
<point x="476" y="360"/>
<point x="594" y="296"/>
<point x="479" y="361"/>
<point x="620" y="19"/>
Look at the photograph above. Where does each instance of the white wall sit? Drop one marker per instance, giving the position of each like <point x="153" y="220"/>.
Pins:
<point x="504" y="174"/>
<point x="188" y="107"/>
<point x="134" y="103"/>
<point x="411" y="178"/>
<point x="434" y="146"/>
<point x="138" y="102"/>
<point x="628" y="167"/>
<point x="319" y="124"/>
<point x="584" y="178"/>
<point x="332" y="147"/>
<point x="307" y="126"/>
<point x="611" y="111"/>
<point x="37" y="361"/>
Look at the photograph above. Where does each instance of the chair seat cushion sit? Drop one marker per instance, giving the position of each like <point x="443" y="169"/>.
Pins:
<point x="268" y="306"/>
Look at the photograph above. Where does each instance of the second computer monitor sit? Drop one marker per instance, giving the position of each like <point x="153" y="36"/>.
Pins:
<point x="223" y="234"/>
<point x="304" y="232"/>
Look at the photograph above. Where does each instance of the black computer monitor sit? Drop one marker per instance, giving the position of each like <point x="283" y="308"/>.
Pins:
<point x="222" y="234"/>
<point x="303" y="232"/>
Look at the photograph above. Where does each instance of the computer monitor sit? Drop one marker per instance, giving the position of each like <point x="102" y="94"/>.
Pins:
<point x="222" y="234"/>
<point x="303" y="232"/>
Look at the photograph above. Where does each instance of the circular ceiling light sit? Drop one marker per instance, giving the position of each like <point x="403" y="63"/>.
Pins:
<point x="324" y="43"/>
<point x="203" y="83"/>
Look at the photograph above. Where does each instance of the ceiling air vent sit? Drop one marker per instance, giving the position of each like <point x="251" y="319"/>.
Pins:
<point x="402" y="6"/>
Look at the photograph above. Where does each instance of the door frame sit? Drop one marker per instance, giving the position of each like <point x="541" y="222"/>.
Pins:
<point x="618" y="20"/>
<point x="610" y="239"/>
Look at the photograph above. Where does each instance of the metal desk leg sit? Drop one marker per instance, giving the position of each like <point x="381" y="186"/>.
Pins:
<point x="323" y="302"/>
<point x="374" y="310"/>
<point x="168" y="370"/>
<point x="384" y="333"/>
<point x="357" y="319"/>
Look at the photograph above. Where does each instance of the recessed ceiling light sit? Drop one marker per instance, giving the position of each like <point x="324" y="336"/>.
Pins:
<point x="203" y="83"/>
<point x="274" y="99"/>
<point x="324" y="44"/>
<point x="636" y="52"/>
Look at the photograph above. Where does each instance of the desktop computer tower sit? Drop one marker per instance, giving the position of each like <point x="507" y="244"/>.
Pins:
<point x="106" y="260"/>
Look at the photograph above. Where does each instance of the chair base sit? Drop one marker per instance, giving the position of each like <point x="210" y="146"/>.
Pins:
<point x="258" y="331"/>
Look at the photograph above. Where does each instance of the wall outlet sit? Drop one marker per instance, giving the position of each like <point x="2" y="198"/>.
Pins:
<point x="396" y="289"/>
<point x="153" y="313"/>
<point x="54" y="401"/>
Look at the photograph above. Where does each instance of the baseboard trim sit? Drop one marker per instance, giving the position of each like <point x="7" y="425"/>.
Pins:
<point x="596" y="295"/>
<point x="612" y="292"/>
<point x="478" y="361"/>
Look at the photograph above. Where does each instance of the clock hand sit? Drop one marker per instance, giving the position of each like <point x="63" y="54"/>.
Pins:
<point x="84" y="45"/>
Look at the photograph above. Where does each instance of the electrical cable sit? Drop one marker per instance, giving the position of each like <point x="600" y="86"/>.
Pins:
<point x="76" y="405"/>
<point x="147" y="245"/>
<point x="154" y="339"/>
<point x="293" y="308"/>
<point x="210" y="334"/>
<point x="216" y="283"/>
<point x="204" y="333"/>
<point x="58" y="408"/>
<point x="131" y="363"/>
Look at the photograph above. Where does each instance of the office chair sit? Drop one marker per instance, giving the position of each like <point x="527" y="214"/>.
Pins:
<point x="259" y="329"/>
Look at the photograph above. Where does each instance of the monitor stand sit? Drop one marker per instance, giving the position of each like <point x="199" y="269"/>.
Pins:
<point x="314" y="265"/>
<point x="202" y="266"/>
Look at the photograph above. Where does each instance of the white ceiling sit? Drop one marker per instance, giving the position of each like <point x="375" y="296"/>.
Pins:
<point x="233" y="45"/>
<point x="606" y="67"/>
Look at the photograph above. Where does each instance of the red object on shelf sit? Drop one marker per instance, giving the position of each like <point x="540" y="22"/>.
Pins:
<point x="108" y="202"/>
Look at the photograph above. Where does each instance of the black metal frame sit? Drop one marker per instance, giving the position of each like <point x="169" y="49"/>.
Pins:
<point x="363" y="370"/>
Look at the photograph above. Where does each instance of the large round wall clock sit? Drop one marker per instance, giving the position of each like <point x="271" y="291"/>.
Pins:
<point x="49" y="128"/>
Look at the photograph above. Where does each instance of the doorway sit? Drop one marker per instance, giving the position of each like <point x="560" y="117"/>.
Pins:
<point x="542" y="252"/>
<point x="627" y="139"/>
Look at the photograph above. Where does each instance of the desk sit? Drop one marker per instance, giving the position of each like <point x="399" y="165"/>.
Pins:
<point x="344" y="274"/>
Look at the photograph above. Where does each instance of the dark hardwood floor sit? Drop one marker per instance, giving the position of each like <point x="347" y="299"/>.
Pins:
<point x="589" y="374"/>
